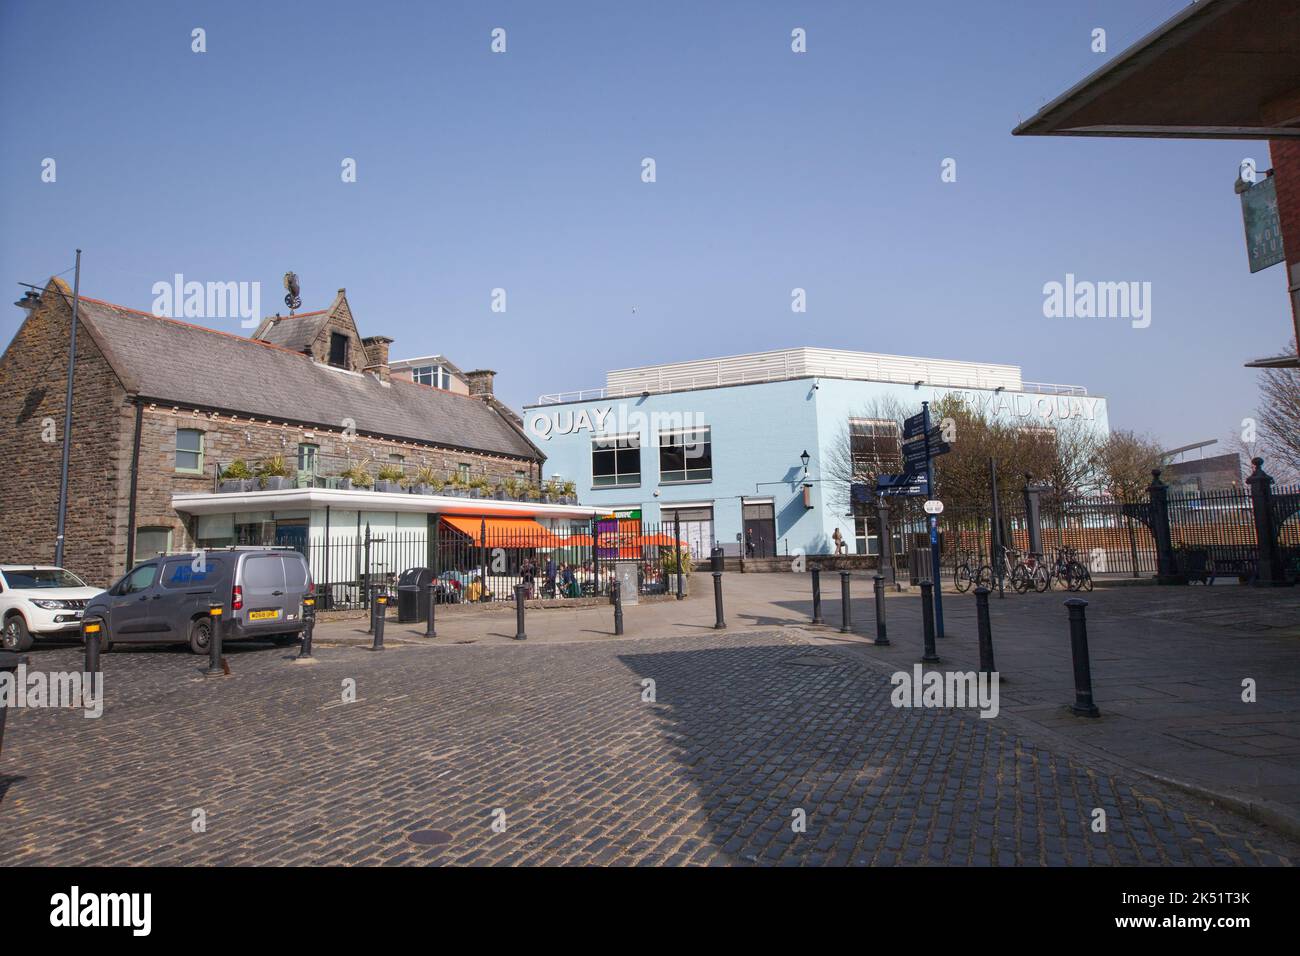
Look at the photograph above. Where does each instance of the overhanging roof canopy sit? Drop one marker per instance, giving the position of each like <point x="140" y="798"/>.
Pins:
<point x="1220" y="69"/>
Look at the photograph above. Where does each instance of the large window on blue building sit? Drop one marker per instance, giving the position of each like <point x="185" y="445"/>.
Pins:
<point x="616" y="461"/>
<point x="686" y="454"/>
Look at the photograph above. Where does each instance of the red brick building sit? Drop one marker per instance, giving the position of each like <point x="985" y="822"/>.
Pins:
<point x="161" y="407"/>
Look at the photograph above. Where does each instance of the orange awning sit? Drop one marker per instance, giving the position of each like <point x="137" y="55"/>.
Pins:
<point x="504" y="532"/>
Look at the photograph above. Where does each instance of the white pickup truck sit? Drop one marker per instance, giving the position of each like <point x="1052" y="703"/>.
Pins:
<point x="39" y="601"/>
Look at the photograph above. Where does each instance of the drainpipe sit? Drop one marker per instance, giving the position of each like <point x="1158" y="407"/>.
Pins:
<point x="135" y="476"/>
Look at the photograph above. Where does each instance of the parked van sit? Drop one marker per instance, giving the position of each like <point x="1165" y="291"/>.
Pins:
<point x="166" y="600"/>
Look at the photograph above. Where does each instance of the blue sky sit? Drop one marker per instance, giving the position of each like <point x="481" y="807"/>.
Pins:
<point x="522" y="171"/>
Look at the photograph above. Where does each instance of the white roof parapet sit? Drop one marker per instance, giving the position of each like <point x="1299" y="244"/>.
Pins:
<point x="804" y="363"/>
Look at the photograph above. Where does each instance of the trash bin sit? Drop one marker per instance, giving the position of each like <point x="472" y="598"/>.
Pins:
<point x="715" y="558"/>
<point x="413" y="595"/>
<point x="9" y="662"/>
<point x="918" y="565"/>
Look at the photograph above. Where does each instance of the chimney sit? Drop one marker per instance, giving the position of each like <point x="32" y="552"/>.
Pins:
<point x="30" y="300"/>
<point x="480" y="382"/>
<point x="376" y="347"/>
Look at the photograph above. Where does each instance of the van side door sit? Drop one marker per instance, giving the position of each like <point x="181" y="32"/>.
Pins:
<point x="129" y="611"/>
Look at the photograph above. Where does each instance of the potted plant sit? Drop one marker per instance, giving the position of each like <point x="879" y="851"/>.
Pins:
<point x="499" y="491"/>
<point x="671" y="560"/>
<point x="569" y="491"/>
<point x="425" y="481"/>
<point x="512" y="488"/>
<point x="389" y="478"/>
<point x="355" y="476"/>
<point x="479" y="487"/>
<point x="236" y="476"/>
<point x="274" y="473"/>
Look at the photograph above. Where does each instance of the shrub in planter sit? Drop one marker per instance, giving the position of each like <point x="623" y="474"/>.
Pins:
<point x="570" y="493"/>
<point x="425" y="481"/>
<point x="355" y="476"/>
<point x="274" y="473"/>
<point x="389" y="478"/>
<point x="236" y="476"/>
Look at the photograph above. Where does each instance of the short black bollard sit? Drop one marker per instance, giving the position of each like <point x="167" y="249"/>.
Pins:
<point x="370" y="590"/>
<point x="308" y="625"/>
<point x="1083" y="705"/>
<point x="519" y="613"/>
<point x="817" y="596"/>
<point x="927" y="622"/>
<point x="879" y="583"/>
<point x="429" y="630"/>
<point x="381" y="611"/>
<point x="846" y="615"/>
<point x="719" y="624"/>
<point x="92" y="632"/>
<point x="618" y="609"/>
<point x="216" y="621"/>
<point x="985" y="630"/>
<point x="9" y="664"/>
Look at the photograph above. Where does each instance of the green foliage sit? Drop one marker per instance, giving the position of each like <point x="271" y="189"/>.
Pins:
<point x="238" y="469"/>
<point x="273" y="467"/>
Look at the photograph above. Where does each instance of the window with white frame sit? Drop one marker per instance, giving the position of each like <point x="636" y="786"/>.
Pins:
<point x="615" y="461"/>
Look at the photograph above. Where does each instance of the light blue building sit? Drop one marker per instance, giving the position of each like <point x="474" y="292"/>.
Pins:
<point x="719" y="444"/>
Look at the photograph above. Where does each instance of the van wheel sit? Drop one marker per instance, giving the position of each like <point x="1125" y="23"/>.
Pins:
<point x="14" y="636"/>
<point x="200" y="635"/>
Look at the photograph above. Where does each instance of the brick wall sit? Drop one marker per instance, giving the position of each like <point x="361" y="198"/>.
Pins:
<point x="33" y="379"/>
<point x="1285" y="155"/>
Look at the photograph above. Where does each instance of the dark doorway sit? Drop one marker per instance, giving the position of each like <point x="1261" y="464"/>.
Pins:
<point x="291" y="534"/>
<point x="760" y="531"/>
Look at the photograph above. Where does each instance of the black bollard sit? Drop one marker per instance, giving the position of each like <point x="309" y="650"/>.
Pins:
<point x="92" y="632"/>
<point x="846" y="615"/>
<point x="879" y="583"/>
<point x="308" y="624"/>
<point x="215" y="621"/>
<point x="927" y="622"/>
<point x="817" y="596"/>
<point x="985" y="630"/>
<point x="618" y="609"/>
<point x="429" y="630"/>
<point x="381" y="611"/>
<point x="370" y="625"/>
<point x="719" y="624"/>
<point x="1083" y="705"/>
<point x="519" y="613"/>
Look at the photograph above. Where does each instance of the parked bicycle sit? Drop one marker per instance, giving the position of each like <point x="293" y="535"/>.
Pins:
<point x="1070" y="571"/>
<point x="969" y="572"/>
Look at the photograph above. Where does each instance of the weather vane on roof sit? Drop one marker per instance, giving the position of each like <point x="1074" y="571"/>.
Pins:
<point x="293" y="299"/>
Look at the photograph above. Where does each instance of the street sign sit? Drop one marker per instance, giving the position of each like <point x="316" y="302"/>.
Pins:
<point x="933" y="507"/>
<point x="914" y="426"/>
<point x="909" y="485"/>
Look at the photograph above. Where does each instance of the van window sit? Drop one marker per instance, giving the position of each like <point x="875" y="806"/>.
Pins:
<point x="140" y="579"/>
<point x="295" y="572"/>
<point x="264" y="571"/>
<point x="181" y="574"/>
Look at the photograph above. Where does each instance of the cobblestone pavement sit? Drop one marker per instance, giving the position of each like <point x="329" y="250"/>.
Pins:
<point x="555" y="742"/>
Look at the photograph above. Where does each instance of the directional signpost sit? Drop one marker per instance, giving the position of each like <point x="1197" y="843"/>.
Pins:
<point x="931" y="444"/>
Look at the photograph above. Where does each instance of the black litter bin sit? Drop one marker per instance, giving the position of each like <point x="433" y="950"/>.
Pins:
<point x="9" y="662"/>
<point x="918" y="565"/>
<point x="413" y="595"/>
<point x="715" y="558"/>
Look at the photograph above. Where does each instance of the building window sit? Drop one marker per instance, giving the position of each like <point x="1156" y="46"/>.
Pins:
<point x="463" y="468"/>
<point x="686" y="454"/>
<point x="338" y="349"/>
<point x="150" y="542"/>
<point x="616" y="461"/>
<point x="397" y="459"/>
<point x="434" y="375"/>
<point x="875" y="444"/>
<point x="308" y="458"/>
<point x="189" y="451"/>
<point x="696" y="526"/>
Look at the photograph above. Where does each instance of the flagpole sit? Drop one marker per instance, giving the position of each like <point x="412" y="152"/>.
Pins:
<point x="67" y="419"/>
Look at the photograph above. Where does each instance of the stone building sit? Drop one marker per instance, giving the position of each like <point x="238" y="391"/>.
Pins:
<point x="163" y="407"/>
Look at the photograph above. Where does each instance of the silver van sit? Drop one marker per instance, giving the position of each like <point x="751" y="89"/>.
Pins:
<point x="166" y="600"/>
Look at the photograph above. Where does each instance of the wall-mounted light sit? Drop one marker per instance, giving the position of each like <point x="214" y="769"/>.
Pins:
<point x="805" y="458"/>
<point x="918" y="383"/>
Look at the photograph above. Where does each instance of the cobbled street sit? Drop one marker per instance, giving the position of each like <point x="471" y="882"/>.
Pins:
<point x="547" y="754"/>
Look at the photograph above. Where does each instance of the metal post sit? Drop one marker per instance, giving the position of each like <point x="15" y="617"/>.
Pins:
<point x="985" y="630"/>
<point x="520" y="635"/>
<point x="308" y="625"/>
<point x="846" y="615"/>
<point x="482" y="540"/>
<point x="429" y="630"/>
<point x="91" y="633"/>
<point x="879" y="583"/>
<point x="618" y="608"/>
<point x="67" y="421"/>
<point x="996" y="544"/>
<point x="885" y="541"/>
<point x="817" y="596"/>
<point x="1083" y="705"/>
<point x="1271" y="571"/>
<point x="365" y="576"/>
<point x="380" y="613"/>
<point x="927" y="622"/>
<point x="1166" y="563"/>
<point x="719" y="624"/>
<point x="936" y="569"/>
<point x="215" y="621"/>
<point x="677" y="545"/>
<point x="370" y="605"/>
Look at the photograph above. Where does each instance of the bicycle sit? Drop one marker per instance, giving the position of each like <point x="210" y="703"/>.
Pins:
<point x="967" y="572"/>
<point x="1068" y="569"/>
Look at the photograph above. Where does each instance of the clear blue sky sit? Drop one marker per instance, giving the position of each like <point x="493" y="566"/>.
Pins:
<point x="522" y="171"/>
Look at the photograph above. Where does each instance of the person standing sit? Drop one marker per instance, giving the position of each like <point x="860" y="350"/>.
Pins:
<point x="839" y="541"/>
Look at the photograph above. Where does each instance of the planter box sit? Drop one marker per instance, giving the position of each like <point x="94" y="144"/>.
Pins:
<point x="389" y="487"/>
<point x="421" y="489"/>
<point x="275" y="483"/>
<point x="228" y="486"/>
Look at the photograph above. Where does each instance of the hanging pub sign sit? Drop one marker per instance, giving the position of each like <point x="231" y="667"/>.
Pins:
<point x="1263" y="227"/>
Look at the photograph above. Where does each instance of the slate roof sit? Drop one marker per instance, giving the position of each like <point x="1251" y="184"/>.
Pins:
<point x="293" y="332"/>
<point x="171" y="361"/>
